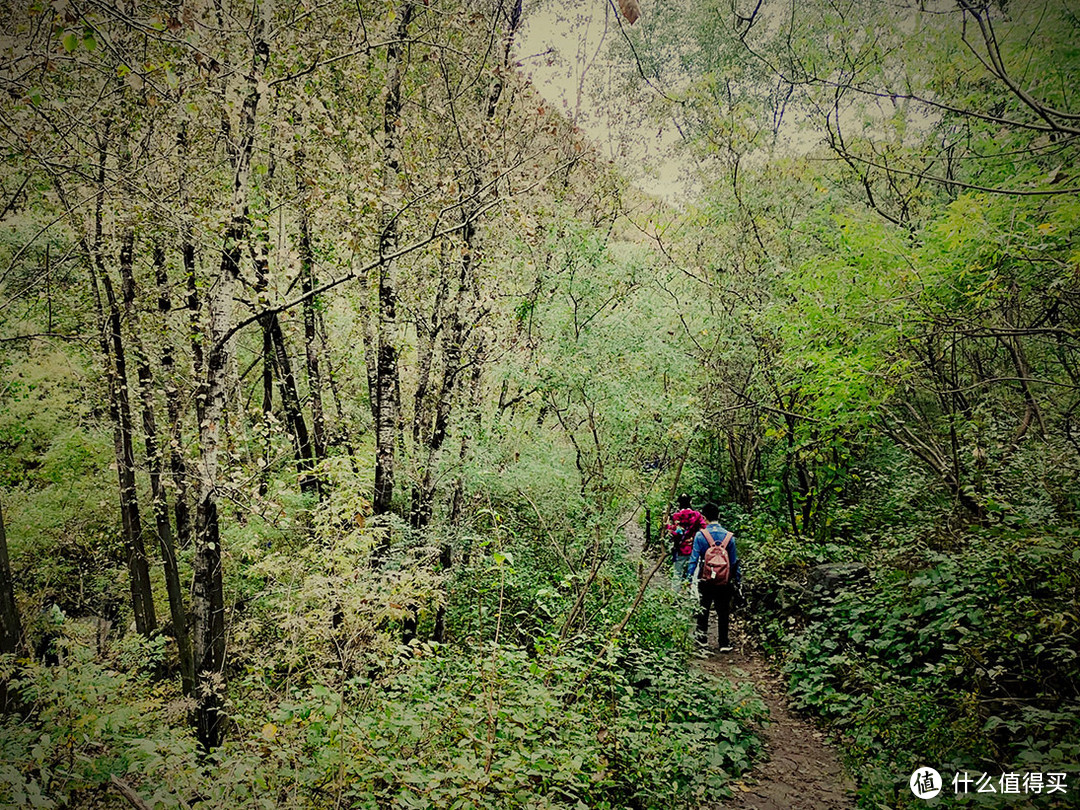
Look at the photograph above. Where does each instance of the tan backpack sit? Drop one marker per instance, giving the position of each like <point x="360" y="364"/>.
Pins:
<point x="716" y="564"/>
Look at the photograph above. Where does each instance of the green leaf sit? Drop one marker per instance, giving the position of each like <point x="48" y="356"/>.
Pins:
<point x="70" y="41"/>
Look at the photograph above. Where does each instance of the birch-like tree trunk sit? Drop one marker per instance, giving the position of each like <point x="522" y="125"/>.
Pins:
<point x="10" y="626"/>
<point x="386" y="405"/>
<point x="142" y="600"/>
<point x="208" y="603"/>
<point x="154" y="463"/>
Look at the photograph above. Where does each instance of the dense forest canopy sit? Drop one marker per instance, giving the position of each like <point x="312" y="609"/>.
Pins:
<point x="341" y="376"/>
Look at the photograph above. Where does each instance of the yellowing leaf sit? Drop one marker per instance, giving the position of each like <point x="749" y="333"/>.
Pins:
<point x="630" y="9"/>
<point x="269" y="732"/>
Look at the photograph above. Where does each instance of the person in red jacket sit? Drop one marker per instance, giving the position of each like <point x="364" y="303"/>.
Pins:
<point x="681" y="528"/>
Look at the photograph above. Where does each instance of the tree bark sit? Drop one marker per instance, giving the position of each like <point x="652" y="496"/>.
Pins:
<point x="276" y="356"/>
<point x="142" y="600"/>
<point x="10" y="626"/>
<point x="154" y="466"/>
<point x="308" y="283"/>
<point x="459" y="328"/>
<point x="386" y="406"/>
<point x="173" y="405"/>
<point x="424" y="492"/>
<point x="11" y="639"/>
<point x="290" y="401"/>
<point x="208" y="603"/>
<point x="194" y="304"/>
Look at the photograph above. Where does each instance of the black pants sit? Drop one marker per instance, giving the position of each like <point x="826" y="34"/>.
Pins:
<point x="714" y="595"/>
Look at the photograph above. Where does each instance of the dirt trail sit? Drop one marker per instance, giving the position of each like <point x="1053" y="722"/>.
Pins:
<point x="801" y="770"/>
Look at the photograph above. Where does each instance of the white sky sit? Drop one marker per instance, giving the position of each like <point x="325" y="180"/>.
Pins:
<point x="563" y="47"/>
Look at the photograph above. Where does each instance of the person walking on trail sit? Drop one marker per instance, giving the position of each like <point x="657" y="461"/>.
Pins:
<point x="684" y="524"/>
<point x="715" y="555"/>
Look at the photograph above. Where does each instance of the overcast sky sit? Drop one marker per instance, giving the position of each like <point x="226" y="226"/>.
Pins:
<point x="564" y="47"/>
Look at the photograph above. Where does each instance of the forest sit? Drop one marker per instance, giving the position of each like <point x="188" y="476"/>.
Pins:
<point x="348" y="379"/>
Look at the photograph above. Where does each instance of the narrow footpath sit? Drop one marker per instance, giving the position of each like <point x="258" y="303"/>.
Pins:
<point x="801" y="770"/>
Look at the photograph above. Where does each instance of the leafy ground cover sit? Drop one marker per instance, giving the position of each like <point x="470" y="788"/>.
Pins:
<point x="962" y="659"/>
<point x="324" y="716"/>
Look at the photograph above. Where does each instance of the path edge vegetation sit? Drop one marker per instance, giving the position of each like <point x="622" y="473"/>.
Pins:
<point x="388" y="349"/>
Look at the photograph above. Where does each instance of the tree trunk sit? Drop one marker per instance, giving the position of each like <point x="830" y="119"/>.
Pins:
<point x="194" y="304"/>
<point x="142" y="600"/>
<point x="267" y="404"/>
<point x="457" y="499"/>
<point x="386" y="406"/>
<point x="290" y="401"/>
<point x="459" y="330"/>
<point x="424" y="492"/>
<point x="154" y="465"/>
<point x="208" y="603"/>
<point x="307" y="282"/>
<point x="276" y="356"/>
<point x="10" y="626"/>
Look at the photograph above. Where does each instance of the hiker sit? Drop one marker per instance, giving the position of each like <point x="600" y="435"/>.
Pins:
<point x="681" y="528"/>
<point x="714" y="553"/>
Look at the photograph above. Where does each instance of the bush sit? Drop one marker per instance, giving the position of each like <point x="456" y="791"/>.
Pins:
<point x="956" y="660"/>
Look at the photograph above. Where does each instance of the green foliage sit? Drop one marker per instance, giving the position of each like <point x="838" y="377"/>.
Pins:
<point x="442" y="729"/>
<point x="59" y="496"/>
<point x="955" y="658"/>
<point x="504" y="730"/>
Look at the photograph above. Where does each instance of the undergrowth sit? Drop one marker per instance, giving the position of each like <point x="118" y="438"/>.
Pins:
<point x="962" y="659"/>
<point x="446" y="730"/>
<point x="532" y="701"/>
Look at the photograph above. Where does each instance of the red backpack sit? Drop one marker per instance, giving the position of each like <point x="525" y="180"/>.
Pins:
<point x="716" y="564"/>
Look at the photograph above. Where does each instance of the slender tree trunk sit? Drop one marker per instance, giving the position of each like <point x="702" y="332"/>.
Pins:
<point x="114" y="369"/>
<point x="261" y="260"/>
<point x="458" y="332"/>
<point x="424" y="492"/>
<point x="386" y="407"/>
<point x="267" y="405"/>
<point x="10" y="626"/>
<point x="194" y="307"/>
<point x="276" y="356"/>
<point x="308" y="283"/>
<point x="290" y="401"/>
<point x="208" y="603"/>
<point x="173" y="406"/>
<point x="177" y="464"/>
<point x="142" y="599"/>
<point x="457" y="498"/>
<point x="154" y="465"/>
<point x="427" y="332"/>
